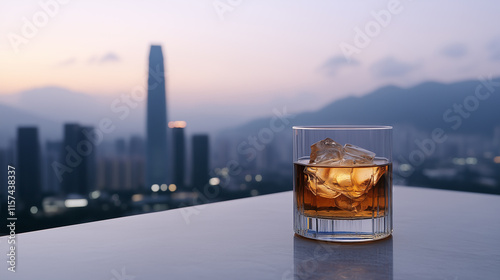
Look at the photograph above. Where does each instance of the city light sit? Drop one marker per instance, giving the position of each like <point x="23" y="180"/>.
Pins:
<point x="155" y="187"/>
<point x="214" y="181"/>
<point x="177" y="124"/>
<point x="254" y="192"/>
<point x="137" y="197"/>
<point x="258" y="177"/>
<point x="164" y="187"/>
<point x="34" y="210"/>
<point x="172" y="187"/>
<point x="405" y="167"/>
<point x="52" y="205"/>
<point x="95" y="194"/>
<point x="73" y="203"/>
<point x="458" y="161"/>
<point x="224" y="172"/>
<point x="471" y="160"/>
<point x="497" y="159"/>
<point x="248" y="178"/>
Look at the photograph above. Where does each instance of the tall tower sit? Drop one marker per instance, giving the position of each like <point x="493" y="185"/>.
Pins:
<point x="28" y="166"/>
<point x="156" y="154"/>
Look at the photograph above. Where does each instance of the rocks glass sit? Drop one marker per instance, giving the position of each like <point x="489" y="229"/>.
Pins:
<point x="342" y="182"/>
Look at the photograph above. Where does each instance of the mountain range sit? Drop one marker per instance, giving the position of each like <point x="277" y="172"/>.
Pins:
<point x="454" y="107"/>
<point x="465" y="107"/>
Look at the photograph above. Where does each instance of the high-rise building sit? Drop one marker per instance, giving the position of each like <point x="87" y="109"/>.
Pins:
<point x="78" y="154"/>
<point x="29" y="187"/>
<point x="52" y="154"/>
<point x="179" y="142"/>
<point x="200" y="162"/>
<point x="88" y="176"/>
<point x="156" y="157"/>
<point x="137" y="162"/>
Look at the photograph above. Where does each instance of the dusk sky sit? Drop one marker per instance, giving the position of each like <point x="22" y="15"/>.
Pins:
<point x="247" y="52"/>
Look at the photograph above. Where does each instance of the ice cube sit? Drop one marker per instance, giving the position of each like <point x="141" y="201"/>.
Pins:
<point x="326" y="151"/>
<point x="353" y="183"/>
<point x="345" y="182"/>
<point x="357" y="155"/>
<point x="348" y="204"/>
<point x="316" y="182"/>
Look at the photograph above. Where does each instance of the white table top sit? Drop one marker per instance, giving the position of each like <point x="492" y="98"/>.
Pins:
<point x="437" y="235"/>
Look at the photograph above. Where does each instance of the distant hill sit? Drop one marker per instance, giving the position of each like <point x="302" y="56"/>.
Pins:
<point x="11" y="118"/>
<point x="49" y="108"/>
<point x="422" y="106"/>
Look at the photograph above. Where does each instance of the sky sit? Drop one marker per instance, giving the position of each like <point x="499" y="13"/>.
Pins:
<point x="235" y="52"/>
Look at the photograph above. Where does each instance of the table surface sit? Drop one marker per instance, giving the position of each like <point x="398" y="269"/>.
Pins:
<point x="437" y="235"/>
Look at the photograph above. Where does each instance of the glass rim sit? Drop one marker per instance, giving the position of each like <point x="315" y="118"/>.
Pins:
<point x="342" y="127"/>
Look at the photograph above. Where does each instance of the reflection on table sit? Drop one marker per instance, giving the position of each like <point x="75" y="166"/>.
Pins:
<point x="326" y="260"/>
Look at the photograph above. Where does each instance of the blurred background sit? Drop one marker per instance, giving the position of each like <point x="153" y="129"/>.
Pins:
<point x="122" y="107"/>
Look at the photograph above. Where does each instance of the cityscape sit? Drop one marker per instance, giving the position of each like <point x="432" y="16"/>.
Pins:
<point x="86" y="177"/>
<point x="81" y="178"/>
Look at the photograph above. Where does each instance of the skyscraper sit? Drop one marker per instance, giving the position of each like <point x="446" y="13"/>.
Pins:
<point x="179" y="153"/>
<point x="52" y="153"/>
<point x="200" y="161"/>
<point x="29" y="186"/>
<point x="79" y="154"/>
<point x="137" y="162"/>
<point x="156" y="155"/>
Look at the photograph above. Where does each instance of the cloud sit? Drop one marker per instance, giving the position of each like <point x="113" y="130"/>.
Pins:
<point x="494" y="48"/>
<point x="456" y="50"/>
<point x="67" y="62"/>
<point x="333" y="65"/>
<point x="107" y="58"/>
<point x="390" y="67"/>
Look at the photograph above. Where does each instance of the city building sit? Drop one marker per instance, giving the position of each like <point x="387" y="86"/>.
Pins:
<point x="137" y="163"/>
<point x="179" y="153"/>
<point x="51" y="154"/>
<point x="156" y="127"/>
<point x="78" y="157"/>
<point x="200" y="161"/>
<point x="28" y="178"/>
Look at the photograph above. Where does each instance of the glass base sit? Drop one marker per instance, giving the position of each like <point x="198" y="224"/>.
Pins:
<point x="342" y="230"/>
